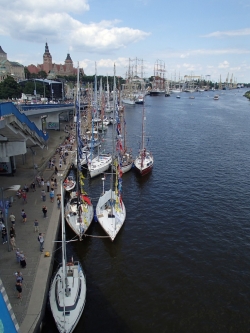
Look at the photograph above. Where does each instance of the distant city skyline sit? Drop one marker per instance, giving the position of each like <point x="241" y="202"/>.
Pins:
<point x="208" y="39"/>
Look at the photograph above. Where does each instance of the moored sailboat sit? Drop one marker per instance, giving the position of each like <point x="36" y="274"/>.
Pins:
<point x="67" y="294"/>
<point x="79" y="210"/>
<point x="110" y="209"/>
<point x="100" y="163"/>
<point x="144" y="161"/>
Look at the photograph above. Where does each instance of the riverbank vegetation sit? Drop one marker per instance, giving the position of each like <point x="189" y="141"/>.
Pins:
<point x="247" y="95"/>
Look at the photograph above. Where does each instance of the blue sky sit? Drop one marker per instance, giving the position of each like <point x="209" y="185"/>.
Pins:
<point x="204" y="38"/>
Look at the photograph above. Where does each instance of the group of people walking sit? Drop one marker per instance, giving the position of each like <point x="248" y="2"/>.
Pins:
<point x="47" y="188"/>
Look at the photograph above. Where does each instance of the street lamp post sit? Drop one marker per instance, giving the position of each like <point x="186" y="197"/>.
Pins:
<point x="35" y="89"/>
<point x="5" y="207"/>
<point x="43" y="92"/>
<point x="52" y="91"/>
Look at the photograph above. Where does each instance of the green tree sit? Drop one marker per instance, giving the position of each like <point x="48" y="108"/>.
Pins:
<point x="26" y="73"/>
<point x="42" y="75"/>
<point x="9" y="88"/>
<point x="30" y="86"/>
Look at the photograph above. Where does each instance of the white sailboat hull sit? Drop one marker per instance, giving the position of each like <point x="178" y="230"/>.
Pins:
<point x="128" y="101"/>
<point x="99" y="164"/>
<point x="126" y="163"/>
<point x="74" y="303"/>
<point x="79" y="226"/>
<point x="111" y="223"/>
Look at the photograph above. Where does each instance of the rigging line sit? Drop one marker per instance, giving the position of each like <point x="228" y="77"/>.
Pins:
<point x="96" y="236"/>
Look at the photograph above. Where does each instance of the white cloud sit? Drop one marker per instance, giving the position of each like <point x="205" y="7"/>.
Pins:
<point x="34" y="21"/>
<point x="230" y="33"/>
<point x="43" y="7"/>
<point x="224" y="64"/>
<point x="105" y="35"/>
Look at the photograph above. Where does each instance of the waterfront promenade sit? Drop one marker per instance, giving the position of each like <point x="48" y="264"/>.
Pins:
<point x="29" y="308"/>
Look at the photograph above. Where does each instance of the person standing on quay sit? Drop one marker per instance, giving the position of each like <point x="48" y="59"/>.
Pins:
<point x="19" y="288"/>
<point x="43" y="195"/>
<point x="41" y="241"/>
<point x="48" y="185"/>
<point x="22" y="259"/>
<point x="44" y="210"/>
<point x="1" y="226"/>
<point x="36" y="226"/>
<point x="13" y="238"/>
<point x="12" y="219"/>
<point x="4" y="235"/>
<point x="24" y="216"/>
<point x="58" y="201"/>
<point x="33" y="186"/>
<point x="18" y="255"/>
<point x="52" y="195"/>
<point x="24" y="196"/>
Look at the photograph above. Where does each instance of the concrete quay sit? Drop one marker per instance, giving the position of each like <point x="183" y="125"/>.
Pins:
<point x="30" y="308"/>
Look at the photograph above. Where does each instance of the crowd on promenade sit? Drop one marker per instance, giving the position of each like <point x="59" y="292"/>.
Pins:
<point x="47" y="193"/>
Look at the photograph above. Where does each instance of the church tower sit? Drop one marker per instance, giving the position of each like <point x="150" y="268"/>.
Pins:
<point x="47" y="60"/>
<point x="3" y="55"/>
<point x="68" y="65"/>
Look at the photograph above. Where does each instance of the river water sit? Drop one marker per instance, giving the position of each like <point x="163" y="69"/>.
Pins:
<point x="181" y="261"/>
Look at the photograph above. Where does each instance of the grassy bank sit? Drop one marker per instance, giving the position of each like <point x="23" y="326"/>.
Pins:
<point x="247" y="95"/>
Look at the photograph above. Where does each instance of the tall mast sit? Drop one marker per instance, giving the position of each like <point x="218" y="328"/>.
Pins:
<point x="64" y="256"/>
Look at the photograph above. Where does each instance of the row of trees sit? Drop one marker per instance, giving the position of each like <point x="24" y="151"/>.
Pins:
<point x="9" y="88"/>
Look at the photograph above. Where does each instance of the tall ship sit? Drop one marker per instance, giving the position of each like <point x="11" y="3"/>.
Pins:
<point x="158" y="84"/>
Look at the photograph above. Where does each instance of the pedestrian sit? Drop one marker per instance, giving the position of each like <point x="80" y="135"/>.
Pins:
<point x="19" y="289"/>
<point x="41" y="241"/>
<point x="18" y="255"/>
<point x="60" y="163"/>
<point x="12" y="219"/>
<point x="24" y="216"/>
<point x="33" y="186"/>
<point x="22" y="260"/>
<point x="52" y="195"/>
<point x="24" y="196"/>
<point x="13" y="238"/>
<point x="48" y="185"/>
<point x="1" y="226"/>
<point x="26" y="188"/>
<point x="49" y="163"/>
<point x="43" y="195"/>
<point x="44" y="210"/>
<point x="19" y="276"/>
<point x="52" y="183"/>
<point x="56" y="170"/>
<point x="4" y="235"/>
<point x="42" y="182"/>
<point x="58" y="202"/>
<point x="36" y="226"/>
<point x="55" y="183"/>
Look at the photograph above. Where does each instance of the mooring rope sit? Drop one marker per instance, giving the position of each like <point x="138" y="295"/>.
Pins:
<point x="96" y="236"/>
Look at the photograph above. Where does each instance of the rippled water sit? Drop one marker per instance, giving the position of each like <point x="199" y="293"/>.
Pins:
<point x="181" y="261"/>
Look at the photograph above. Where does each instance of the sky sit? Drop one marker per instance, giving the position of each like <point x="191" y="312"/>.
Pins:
<point x="208" y="38"/>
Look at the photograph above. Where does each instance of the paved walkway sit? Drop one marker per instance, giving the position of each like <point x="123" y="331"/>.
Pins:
<point x="37" y="273"/>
